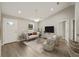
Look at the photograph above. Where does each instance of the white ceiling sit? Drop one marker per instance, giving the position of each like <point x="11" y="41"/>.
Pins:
<point x="33" y="10"/>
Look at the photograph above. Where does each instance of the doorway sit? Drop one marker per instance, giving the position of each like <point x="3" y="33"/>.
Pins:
<point x="62" y="29"/>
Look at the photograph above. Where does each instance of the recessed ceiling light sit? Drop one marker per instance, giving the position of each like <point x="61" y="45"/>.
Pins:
<point x="19" y="11"/>
<point x="51" y="9"/>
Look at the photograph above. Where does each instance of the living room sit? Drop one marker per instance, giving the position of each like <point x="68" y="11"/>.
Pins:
<point x="35" y="24"/>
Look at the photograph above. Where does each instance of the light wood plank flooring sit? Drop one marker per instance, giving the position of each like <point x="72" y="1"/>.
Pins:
<point x="19" y="49"/>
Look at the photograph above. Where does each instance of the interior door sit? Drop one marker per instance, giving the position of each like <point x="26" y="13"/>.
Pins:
<point x="62" y="29"/>
<point x="9" y="30"/>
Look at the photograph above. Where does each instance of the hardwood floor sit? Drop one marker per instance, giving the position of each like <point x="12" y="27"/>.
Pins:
<point x="19" y="49"/>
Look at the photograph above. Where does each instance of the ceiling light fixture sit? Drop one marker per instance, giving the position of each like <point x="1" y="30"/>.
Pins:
<point x="19" y="11"/>
<point x="36" y="20"/>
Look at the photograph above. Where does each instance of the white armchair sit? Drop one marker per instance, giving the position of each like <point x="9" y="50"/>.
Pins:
<point x="49" y="45"/>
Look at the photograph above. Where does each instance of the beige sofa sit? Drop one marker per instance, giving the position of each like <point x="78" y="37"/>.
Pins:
<point x="32" y="35"/>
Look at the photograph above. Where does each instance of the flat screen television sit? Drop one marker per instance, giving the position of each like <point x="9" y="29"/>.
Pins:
<point x="49" y="29"/>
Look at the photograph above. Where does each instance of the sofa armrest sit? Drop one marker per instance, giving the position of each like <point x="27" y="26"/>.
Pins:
<point x="38" y="33"/>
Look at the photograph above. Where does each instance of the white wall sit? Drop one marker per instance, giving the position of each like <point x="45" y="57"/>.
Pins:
<point x="22" y="26"/>
<point x="64" y="15"/>
<point x="9" y="31"/>
<point x="0" y="21"/>
<point x="77" y="16"/>
<point x="0" y="29"/>
<point x="77" y="20"/>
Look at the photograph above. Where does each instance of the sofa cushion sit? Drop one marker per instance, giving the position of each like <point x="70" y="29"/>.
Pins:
<point x="34" y="33"/>
<point x="32" y="36"/>
<point x="29" y="34"/>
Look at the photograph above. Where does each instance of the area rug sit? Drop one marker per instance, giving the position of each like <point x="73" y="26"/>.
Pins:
<point x="36" y="45"/>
